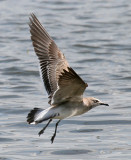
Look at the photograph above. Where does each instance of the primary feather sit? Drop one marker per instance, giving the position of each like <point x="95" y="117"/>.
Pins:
<point x="61" y="82"/>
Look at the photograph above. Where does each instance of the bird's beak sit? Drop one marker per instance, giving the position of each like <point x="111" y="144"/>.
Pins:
<point x="104" y="104"/>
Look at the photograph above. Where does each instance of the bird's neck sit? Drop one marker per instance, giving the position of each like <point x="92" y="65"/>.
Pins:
<point x="87" y="103"/>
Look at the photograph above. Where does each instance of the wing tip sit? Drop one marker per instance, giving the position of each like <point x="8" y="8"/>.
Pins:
<point x="32" y="15"/>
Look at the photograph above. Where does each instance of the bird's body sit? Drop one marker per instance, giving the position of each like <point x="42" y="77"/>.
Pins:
<point x="63" y="85"/>
<point x="62" y="111"/>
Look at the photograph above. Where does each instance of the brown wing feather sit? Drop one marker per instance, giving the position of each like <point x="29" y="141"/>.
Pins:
<point x="52" y="61"/>
<point x="61" y="82"/>
<point x="71" y="87"/>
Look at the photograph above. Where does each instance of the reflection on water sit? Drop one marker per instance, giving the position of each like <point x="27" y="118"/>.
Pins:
<point x="95" y="38"/>
<point x="71" y="152"/>
<point x="86" y="130"/>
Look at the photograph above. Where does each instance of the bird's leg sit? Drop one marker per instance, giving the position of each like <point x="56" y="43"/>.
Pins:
<point x="53" y="137"/>
<point x="42" y="131"/>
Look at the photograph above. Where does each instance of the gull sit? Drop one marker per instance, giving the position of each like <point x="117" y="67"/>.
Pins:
<point x="63" y="85"/>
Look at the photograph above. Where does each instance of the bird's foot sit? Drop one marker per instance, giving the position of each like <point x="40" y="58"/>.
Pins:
<point x="41" y="132"/>
<point x="52" y="138"/>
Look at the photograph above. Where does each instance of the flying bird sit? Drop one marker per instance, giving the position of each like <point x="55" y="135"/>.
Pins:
<point x="63" y="85"/>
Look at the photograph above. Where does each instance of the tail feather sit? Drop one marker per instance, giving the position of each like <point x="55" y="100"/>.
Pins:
<point x="33" y="114"/>
<point x="38" y="115"/>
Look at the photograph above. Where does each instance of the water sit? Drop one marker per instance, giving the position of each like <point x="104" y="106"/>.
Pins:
<point x="95" y="37"/>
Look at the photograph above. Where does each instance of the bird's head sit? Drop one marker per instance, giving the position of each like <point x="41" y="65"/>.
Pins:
<point x="93" y="102"/>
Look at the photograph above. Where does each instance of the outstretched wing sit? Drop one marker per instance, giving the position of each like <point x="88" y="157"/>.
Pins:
<point x="61" y="82"/>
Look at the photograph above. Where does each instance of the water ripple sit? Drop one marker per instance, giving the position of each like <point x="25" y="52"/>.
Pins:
<point x="95" y="38"/>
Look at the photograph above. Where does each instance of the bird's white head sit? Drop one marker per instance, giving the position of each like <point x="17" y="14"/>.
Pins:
<point x="93" y="102"/>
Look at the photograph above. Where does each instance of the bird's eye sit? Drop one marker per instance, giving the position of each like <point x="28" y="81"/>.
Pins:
<point x="95" y="101"/>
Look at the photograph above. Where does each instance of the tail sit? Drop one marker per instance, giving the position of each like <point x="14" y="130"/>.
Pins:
<point x="38" y="115"/>
<point x="32" y="116"/>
